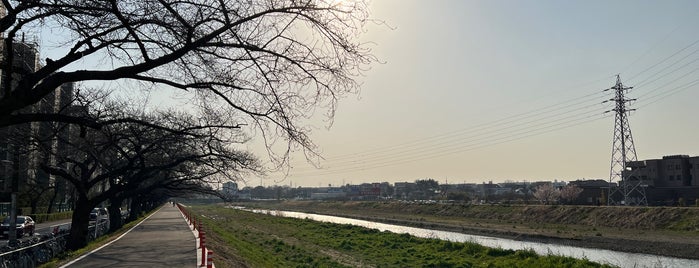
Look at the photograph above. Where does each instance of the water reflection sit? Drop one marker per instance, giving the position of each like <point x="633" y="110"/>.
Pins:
<point x="616" y="258"/>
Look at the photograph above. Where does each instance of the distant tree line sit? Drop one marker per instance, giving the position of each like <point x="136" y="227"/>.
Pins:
<point x="427" y="189"/>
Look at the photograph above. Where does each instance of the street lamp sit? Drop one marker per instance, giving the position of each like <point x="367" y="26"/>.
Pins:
<point x="12" y="227"/>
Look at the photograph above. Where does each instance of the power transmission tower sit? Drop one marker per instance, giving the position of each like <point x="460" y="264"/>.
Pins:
<point x="629" y="190"/>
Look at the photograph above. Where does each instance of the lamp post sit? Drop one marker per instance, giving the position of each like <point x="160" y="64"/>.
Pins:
<point x="11" y="228"/>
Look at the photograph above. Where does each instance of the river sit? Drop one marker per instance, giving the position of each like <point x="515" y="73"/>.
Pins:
<point x="616" y="258"/>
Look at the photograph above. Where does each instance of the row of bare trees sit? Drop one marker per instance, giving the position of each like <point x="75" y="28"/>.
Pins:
<point x="243" y="68"/>
<point x="173" y="155"/>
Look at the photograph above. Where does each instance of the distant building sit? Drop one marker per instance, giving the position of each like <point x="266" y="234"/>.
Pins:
<point x="671" y="180"/>
<point x="593" y="191"/>
<point x="402" y="190"/>
<point x="19" y="155"/>
<point x="670" y="171"/>
<point x="328" y="193"/>
<point x="16" y="154"/>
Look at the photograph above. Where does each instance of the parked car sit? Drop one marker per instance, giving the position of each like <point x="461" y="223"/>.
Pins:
<point x="24" y="225"/>
<point x="124" y="213"/>
<point x="99" y="215"/>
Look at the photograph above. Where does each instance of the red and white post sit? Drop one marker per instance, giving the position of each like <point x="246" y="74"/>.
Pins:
<point x="210" y="259"/>
<point x="202" y="245"/>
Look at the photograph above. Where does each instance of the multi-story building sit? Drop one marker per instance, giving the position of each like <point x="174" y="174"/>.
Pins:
<point x="16" y="144"/>
<point x="672" y="180"/>
<point x="24" y="147"/>
<point x="670" y="171"/>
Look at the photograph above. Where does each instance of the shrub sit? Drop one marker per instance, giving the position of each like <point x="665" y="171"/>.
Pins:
<point x="525" y="254"/>
<point x="40" y="218"/>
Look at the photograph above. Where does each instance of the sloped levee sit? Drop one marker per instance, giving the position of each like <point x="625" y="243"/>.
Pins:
<point x="616" y="258"/>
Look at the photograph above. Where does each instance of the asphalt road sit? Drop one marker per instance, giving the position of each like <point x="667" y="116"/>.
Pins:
<point x="163" y="240"/>
<point x="42" y="228"/>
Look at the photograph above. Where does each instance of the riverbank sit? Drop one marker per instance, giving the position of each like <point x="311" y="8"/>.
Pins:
<point x="652" y="230"/>
<point x="247" y="239"/>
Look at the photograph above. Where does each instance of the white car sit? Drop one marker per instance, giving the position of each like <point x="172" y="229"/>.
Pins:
<point x="24" y="225"/>
<point x="99" y="215"/>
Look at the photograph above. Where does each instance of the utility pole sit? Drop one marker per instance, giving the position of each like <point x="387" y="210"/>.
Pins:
<point x="14" y="188"/>
<point x="623" y="152"/>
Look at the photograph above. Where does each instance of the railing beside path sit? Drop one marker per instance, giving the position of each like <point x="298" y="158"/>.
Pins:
<point x="198" y="229"/>
<point x="37" y="250"/>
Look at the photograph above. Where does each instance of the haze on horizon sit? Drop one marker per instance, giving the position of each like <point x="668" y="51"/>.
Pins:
<point x="477" y="91"/>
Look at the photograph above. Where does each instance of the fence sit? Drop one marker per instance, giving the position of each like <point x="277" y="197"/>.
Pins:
<point x="96" y="230"/>
<point x="35" y="251"/>
<point x="38" y="250"/>
<point x="197" y="227"/>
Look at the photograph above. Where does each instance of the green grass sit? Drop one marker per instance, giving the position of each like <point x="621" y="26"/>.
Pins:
<point x="268" y="241"/>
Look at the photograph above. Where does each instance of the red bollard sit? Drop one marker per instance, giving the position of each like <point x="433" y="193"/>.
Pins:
<point x="202" y="239"/>
<point x="210" y="259"/>
<point x="203" y="251"/>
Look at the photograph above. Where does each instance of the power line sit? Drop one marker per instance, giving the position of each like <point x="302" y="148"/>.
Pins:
<point x="662" y="95"/>
<point x="476" y="136"/>
<point x="670" y="82"/>
<point x="663" y="60"/>
<point x="468" y="142"/>
<point x="595" y="98"/>
<point x="519" y="136"/>
<point x="492" y="133"/>
<point x="643" y="82"/>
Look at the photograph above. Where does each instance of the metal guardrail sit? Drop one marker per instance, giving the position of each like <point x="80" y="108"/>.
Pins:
<point x="34" y="251"/>
<point x="98" y="229"/>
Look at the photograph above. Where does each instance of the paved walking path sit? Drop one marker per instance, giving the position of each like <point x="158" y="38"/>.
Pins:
<point x="162" y="240"/>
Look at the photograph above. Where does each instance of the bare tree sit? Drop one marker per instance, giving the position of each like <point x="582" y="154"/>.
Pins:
<point x="570" y="192"/>
<point x="262" y="65"/>
<point x="546" y="193"/>
<point x="126" y="160"/>
<point x="266" y="63"/>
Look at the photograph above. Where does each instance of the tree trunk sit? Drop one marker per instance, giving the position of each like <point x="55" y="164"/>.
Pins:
<point x="136" y="208"/>
<point x="52" y="200"/>
<point x="115" y="221"/>
<point x="33" y="203"/>
<point x="81" y="220"/>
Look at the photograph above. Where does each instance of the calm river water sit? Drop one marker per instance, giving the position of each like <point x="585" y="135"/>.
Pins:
<point x="622" y="259"/>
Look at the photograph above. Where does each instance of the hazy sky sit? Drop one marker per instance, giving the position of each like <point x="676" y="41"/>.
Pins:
<point x="473" y="91"/>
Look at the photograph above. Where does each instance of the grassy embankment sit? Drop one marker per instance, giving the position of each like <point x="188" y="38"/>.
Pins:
<point x="241" y="239"/>
<point x="671" y="231"/>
